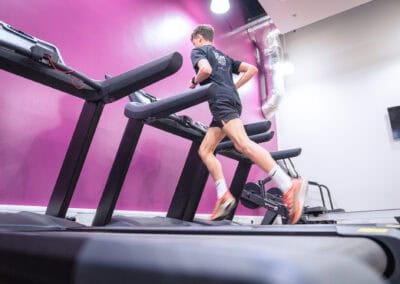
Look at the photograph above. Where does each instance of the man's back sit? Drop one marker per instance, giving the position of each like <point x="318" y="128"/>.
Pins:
<point x="222" y="67"/>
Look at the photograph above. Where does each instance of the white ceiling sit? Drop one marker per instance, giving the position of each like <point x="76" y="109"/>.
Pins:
<point x="289" y="15"/>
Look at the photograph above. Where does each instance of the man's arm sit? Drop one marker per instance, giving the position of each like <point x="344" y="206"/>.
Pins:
<point x="248" y="70"/>
<point x="204" y="72"/>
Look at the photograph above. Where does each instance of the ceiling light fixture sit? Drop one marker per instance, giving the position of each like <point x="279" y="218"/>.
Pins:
<point x="220" y="6"/>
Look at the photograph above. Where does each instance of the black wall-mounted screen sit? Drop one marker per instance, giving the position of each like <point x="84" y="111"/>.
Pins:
<point x="394" y="117"/>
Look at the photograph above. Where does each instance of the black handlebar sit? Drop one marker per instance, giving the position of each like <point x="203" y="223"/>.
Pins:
<point x="167" y="106"/>
<point x="140" y="77"/>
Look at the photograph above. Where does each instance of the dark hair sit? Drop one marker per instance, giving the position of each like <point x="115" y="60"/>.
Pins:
<point x="207" y="31"/>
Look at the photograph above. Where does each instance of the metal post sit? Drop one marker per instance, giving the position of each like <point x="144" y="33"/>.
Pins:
<point x="118" y="172"/>
<point x="191" y="173"/>
<point x="74" y="159"/>
<point x="238" y="182"/>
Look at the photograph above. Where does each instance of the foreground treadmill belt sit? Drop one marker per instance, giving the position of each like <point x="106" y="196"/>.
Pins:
<point x="82" y="257"/>
<point x="386" y="237"/>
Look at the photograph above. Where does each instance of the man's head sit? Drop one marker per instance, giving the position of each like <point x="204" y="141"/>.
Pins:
<point x="202" y="34"/>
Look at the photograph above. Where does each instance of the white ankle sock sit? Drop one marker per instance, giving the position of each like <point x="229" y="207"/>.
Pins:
<point x="221" y="187"/>
<point x="281" y="178"/>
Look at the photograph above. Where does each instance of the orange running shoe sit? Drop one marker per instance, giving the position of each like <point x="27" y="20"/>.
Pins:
<point x="294" y="199"/>
<point x="224" y="206"/>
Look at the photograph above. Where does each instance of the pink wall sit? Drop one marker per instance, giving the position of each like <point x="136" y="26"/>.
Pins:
<point x="98" y="37"/>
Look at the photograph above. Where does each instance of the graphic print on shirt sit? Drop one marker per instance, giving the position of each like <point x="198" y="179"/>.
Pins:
<point x="220" y="58"/>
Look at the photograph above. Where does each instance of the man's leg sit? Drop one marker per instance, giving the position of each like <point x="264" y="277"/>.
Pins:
<point x="225" y="200"/>
<point x="294" y="189"/>
<point x="210" y="141"/>
<point x="234" y="129"/>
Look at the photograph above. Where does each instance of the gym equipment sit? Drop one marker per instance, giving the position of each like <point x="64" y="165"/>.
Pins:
<point x="254" y="254"/>
<point x="27" y="45"/>
<point x="270" y="254"/>
<point x="255" y="195"/>
<point x="147" y="109"/>
<point x="316" y="211"/>
<point x="339" y="216"/>
<point x="32" y="58"/>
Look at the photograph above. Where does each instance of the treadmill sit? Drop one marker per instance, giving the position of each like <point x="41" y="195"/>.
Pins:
<point x="40" y="61"/>
<point x="250" y="254"/>
<point x="147" y="109"/>
<point x="174" y="254"/>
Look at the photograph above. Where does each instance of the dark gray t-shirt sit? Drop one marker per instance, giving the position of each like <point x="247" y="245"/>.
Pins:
<point x="222" y="68"/>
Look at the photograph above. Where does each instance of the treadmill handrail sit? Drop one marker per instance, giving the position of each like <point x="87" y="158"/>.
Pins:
<point x="142" y="97"/>
<point x="255" y="128"/>
<point x="108" y="90"/>
<point x="286" y="154"/>
<point x="140" y="77"/>
<point x="26" y="67"/>
<point x="233" y="154"/>
<point x="258" y="138"/>
<point x="170" y="105"/>
<point x="277" y="155"/>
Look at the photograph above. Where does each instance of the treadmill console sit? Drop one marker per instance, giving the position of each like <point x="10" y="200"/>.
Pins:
<point x="142" y="97"/>
<point x="25" y="44"/>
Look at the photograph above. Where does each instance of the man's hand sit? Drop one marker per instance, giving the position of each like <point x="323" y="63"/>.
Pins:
<point x="248" y="72"/>
<point x="192" y="85"/>
<point x="203" y="73"/>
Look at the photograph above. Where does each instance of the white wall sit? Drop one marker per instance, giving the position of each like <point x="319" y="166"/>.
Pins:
<point x="335" y="107"/>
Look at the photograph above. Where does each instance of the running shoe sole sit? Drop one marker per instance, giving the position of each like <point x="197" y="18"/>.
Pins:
<point x="227" y="208"/>
<point x="300" y="199"/>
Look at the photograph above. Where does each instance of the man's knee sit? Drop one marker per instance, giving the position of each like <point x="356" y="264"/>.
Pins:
<point x="243" y="145"/>
<point x="204" y="152"/>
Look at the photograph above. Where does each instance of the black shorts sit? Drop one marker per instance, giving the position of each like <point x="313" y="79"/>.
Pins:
<point x="224" y="110"/>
